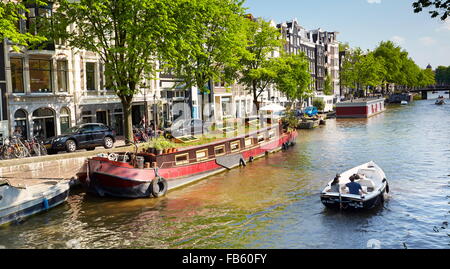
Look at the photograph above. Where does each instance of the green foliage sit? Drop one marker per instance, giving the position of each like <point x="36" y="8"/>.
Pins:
<point x="10" y="15"/>
<point x="126" y="34"/>
<point x="319" y="103"/>
<point x="441" y="7"/>
<point x="392" y="56"/>
<point x="328" y="87"/>
<point x="208" y="38"/>
<point x="443" y="75"/>
<point x="290" y="119"/>
<point x="160" y="144"/>
<point x="256" y="67"/>
<point x="292" y="76"/>
<point x="360" y="70"/>
<point x="425" y="77"/>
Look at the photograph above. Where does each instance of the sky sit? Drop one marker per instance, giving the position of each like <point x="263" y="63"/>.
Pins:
<point x="365" y="23"/>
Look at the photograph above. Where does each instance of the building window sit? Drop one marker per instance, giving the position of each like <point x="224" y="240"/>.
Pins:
<point x="40" y="75"/>
<point x="64" y="119"/>
<point x="226" y="106"/>
<point x="17" y="75"/>
<point x="20" y="123"/>
<point x="86" y="117"/>
<point x="182" y="159"/>
<point x="44" y="123"/>
<point x="90" y="76"/>
<point x="202" y="155"/>
<point x="62" y="72"/>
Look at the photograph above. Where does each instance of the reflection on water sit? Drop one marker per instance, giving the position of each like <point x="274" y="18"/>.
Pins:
<point x="274" y="202"/>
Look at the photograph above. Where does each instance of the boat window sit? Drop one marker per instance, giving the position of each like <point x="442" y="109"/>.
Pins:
<point x="271" y="134"/>
<point x="248" y="142"/>
<point x="202" y="155"/>
<point x="182" y="159"/>
<point x="219" y="150"/>
<point x="260" y="138"/>
<point x="235" y="146"/>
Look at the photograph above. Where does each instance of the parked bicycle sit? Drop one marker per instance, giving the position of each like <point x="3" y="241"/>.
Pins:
<point x="14" y="147"/>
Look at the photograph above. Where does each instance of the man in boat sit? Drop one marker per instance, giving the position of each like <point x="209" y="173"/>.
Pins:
<point x="354" y="187"/>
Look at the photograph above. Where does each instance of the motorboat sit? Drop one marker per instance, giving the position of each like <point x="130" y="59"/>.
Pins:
<point x="373" y="182"/>
<point x="404" y="102"/>
<point x="20" y="201"/>
<point x="440" y="101"/>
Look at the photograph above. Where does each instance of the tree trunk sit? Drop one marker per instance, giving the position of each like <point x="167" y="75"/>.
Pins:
<point x="128" y="121"/>
<point x="255" y="97"/>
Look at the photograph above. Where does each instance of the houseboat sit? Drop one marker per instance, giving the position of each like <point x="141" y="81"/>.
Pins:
<point x="360" y="108"/>
<point x="143" y="174"/>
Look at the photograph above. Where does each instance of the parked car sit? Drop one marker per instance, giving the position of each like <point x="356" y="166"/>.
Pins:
<point x="87" y="136"/>
<point x="187" y="127"/>
<point x="311" y="111"/>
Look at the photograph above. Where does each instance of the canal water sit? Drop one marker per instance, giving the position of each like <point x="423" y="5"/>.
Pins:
<point x="274" y="202"/>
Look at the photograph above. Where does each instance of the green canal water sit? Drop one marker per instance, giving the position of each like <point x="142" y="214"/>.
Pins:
<point x="274" y="202"/>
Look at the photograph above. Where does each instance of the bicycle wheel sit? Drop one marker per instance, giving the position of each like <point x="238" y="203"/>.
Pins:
<point x="8" y="152"/>
<point x="42" y="149"/>
<point x="36" y="150"/>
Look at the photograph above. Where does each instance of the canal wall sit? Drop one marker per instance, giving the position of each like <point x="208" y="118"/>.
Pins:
<point x="34" y="170"/>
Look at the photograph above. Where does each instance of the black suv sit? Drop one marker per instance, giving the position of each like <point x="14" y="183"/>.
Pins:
<point x="87" y="136"/>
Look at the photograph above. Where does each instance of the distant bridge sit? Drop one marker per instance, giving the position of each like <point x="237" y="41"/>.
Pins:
<point x="433" y="92"/>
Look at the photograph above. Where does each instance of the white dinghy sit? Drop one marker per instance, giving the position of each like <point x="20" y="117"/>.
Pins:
<point x="372" y="180"/>
<point x="18" y="202"/>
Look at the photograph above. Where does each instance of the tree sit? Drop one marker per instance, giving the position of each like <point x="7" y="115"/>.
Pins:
<point x="328" y="87"/>
<point x="362" y="70"/>
<point x="126" y="34"/>
<point x="441" y="7"/>
<point x="209" y="39"/>
<point x="256" y="64"/>
<point x="392" y="57"/>
<point x="292" y="76"/>
<point x="425" y="78"/>
<point x="11" y="12"/>
<point x="443" y="75"/>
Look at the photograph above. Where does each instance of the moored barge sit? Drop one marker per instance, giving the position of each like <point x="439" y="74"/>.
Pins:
<point x="121" y="175"/>
<point x="360" y="108"/>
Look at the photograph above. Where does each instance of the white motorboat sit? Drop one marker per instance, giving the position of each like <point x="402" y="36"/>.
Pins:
<point x="373" y="182"/>
<point x="18" y="202"/>
<point x="440" y="101"/>
<point x="404" y="102"/>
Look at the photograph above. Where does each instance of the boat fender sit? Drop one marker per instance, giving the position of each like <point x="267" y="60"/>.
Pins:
<point x="387" y="185"/>
<point x="45" y="204"/>
<point x="242" y="162"/>
<point x="159" y="187"/>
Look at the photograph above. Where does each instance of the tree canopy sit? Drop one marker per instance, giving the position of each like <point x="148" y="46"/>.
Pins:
<point x="209" y="38"/>
<point x="10" y="15"/>
<point x="126" y="34"/>
<point x="292" y="76"/>
<point x="257" y="62"/>
<point x="440" y="7"/>
<point x="443" y="75"/>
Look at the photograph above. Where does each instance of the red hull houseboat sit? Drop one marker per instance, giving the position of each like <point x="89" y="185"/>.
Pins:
<point x="360" y="108"/>
<point x="120" y="175"/>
